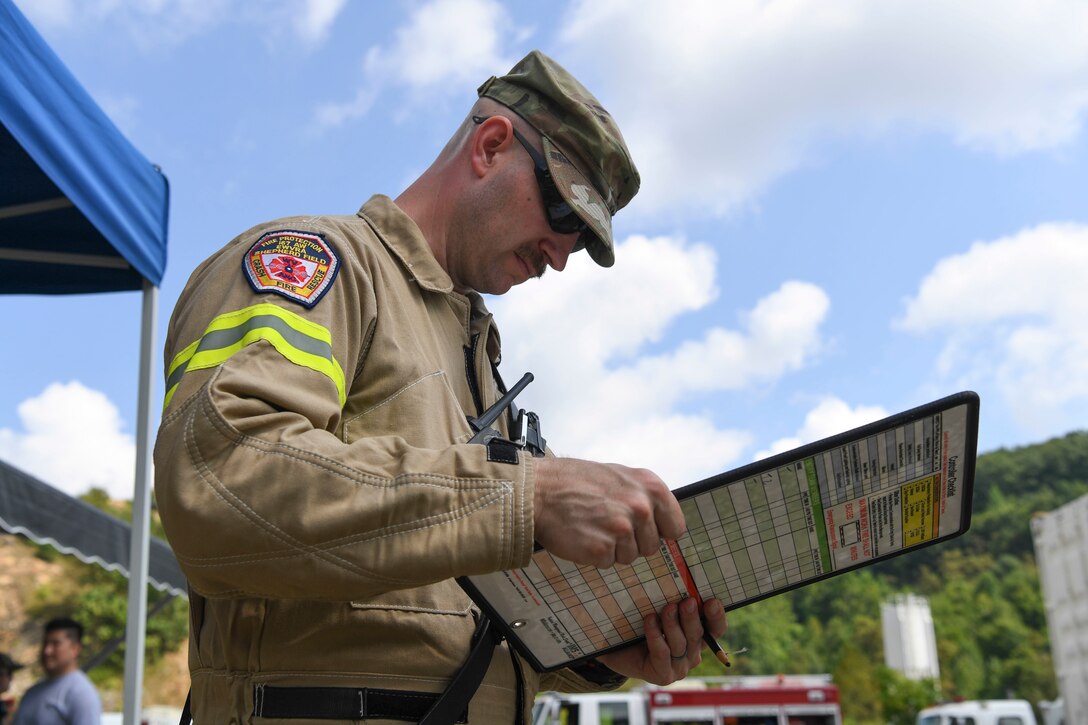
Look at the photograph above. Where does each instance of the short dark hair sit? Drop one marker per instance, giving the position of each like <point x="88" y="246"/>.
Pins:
<point x="66" y="624"/>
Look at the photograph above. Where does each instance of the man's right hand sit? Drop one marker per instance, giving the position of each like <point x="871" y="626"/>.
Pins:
<point x="602" y="514"/>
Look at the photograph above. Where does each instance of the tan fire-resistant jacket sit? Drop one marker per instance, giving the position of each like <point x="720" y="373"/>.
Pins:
<point x="314" y="479"/>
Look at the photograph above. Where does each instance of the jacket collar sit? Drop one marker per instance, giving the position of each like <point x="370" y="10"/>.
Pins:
<point x="406" y="242"/>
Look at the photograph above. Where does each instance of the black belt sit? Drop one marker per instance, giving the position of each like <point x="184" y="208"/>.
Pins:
<point x="344" y="703"/>
<point x="357" y="703"/>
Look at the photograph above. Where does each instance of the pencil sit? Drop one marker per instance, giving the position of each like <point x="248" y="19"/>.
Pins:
<point x="716" y="648"/>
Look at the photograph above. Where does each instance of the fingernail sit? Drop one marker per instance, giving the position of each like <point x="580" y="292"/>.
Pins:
<point x="689" y="606"/>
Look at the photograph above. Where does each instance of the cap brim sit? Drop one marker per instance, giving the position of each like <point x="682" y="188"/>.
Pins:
<point x="585" y="201"/>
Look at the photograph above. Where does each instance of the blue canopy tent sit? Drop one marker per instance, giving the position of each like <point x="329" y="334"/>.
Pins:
<point x="81" y="211"/>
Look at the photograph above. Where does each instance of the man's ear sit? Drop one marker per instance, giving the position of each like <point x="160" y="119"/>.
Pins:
<point x="489" y="140"/>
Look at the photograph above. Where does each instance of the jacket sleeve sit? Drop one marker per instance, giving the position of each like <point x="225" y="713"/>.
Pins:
<point x="260" y="497"/>
<point x="590" y="676"/>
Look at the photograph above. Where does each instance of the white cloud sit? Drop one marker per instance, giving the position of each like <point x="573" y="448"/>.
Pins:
<point x="634" y="402"/>
<point x="1012" y="312"/>
<point x="617" y="313"/>
<point x="157" y="24"/>
<point x="444" y="48"/>
<point x="830" y="417"/>
<point x="47" y="13"/>
<point x="719" y="99"/>
<point x="682" y="449"/>
<point x="318" y="16"/>
<point x="149" y="24"/>
<point x="72" y="440"/>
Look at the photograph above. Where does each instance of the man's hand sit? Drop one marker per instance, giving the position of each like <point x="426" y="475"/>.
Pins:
<point x="601" y="514"/>
<point x="673" y="646"/>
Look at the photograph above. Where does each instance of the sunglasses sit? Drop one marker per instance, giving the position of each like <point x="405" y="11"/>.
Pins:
<point x="561" y="218"/>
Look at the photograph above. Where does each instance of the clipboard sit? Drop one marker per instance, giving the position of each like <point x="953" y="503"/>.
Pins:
<point x="881" y="490"/>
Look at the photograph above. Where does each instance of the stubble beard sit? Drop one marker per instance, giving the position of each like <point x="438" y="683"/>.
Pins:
<point x="533" y="257"/>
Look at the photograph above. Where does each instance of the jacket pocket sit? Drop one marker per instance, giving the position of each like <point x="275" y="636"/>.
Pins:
<point x="444" y="598"/>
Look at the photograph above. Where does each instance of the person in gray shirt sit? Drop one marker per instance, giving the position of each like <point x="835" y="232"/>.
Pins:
<point x="65" y="696"/>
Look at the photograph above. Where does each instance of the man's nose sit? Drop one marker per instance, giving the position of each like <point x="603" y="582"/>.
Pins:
<point x="558" y="250"/>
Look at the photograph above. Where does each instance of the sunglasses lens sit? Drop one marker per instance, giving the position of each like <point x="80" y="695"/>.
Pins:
<point x="561" y="218"/>
<point x="566" y="223"/>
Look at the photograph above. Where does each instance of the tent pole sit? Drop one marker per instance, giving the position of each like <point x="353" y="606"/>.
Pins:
<point x="135" y="628"/>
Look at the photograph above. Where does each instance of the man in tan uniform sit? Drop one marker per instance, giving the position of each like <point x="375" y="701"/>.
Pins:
<point x="313" y="467"/>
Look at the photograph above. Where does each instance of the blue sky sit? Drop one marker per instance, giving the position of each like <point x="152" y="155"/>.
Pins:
<point x="848" y="208"/>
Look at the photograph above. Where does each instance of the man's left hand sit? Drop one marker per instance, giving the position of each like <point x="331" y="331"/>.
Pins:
<point x="674" y="643"/>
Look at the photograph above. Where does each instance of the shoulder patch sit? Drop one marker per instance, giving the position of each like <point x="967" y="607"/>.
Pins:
<point x="301" y="266"/>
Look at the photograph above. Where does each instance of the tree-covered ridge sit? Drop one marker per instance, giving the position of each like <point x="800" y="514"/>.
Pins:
<point x="983" y="591"/>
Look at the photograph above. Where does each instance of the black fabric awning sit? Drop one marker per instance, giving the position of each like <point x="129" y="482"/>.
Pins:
<point x="45" y="515"/>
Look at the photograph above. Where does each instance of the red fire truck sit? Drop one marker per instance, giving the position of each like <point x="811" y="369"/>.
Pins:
<point x="781" y="700"/>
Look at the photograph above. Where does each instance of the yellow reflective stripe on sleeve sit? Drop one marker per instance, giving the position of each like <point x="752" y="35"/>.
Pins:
<point x="181" y="358"/>
<point x="299" y="340"/>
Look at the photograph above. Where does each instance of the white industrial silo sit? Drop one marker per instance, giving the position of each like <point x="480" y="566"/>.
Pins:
<point x="910" y="646"/>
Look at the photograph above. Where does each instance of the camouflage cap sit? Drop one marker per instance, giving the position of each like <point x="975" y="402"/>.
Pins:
<point x="586" y="153"/>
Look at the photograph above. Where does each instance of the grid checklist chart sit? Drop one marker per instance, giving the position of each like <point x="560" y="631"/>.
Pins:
<point x="564" y="612"/>
<point x="801" y="516"/>
<point x="833" y="506"/>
